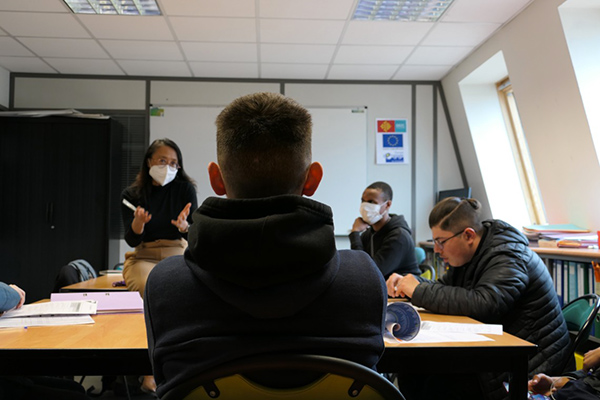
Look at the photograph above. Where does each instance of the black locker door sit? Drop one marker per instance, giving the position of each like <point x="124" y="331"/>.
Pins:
<point x="54" y="207"/>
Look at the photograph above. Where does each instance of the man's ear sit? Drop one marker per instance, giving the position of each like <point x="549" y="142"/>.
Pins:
<point x="313" y="178"/>
<point x="216" y="179"/>
<point x="470" y="234"/>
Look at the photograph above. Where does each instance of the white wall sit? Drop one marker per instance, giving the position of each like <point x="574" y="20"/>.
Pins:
<point x="414" y="184"/>
<point x="4" y="87"/>
<point x="551" y="111"/>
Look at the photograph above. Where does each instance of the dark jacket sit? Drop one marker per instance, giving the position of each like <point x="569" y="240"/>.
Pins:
<point x="261" y="276"/>
<point x="504" y="283"/>
<point x="392" y="247"/>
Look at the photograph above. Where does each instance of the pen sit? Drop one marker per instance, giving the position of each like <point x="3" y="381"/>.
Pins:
<point x="129" y="205"/>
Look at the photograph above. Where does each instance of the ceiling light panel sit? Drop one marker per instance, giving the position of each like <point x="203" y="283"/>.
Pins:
<point x="121" y="7"/>
<point x="400" y="10"/>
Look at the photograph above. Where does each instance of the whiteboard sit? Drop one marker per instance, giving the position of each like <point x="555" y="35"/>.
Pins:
<point x="339" y="143"/>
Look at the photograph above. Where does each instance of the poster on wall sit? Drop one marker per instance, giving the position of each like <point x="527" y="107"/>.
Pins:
<point x="391" y="141"/>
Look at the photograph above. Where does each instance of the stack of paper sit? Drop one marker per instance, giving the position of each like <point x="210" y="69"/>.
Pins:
<point x="50" y="314"/>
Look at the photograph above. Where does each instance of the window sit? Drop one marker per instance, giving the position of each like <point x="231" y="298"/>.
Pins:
<point x="520" y="152"/>
<point x="502" y="153"/>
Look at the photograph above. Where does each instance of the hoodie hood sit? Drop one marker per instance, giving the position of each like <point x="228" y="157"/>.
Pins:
<point x="256" y="253"/>
<point x="396" y="221"/>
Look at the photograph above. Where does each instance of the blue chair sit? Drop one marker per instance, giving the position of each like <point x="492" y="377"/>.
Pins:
<point x="427" y="271"/>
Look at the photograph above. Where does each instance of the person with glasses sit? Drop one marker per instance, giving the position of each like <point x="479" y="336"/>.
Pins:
<point x="385" y="237"/>
<point x="493" y="277"/>
<point x="163" y="197"/>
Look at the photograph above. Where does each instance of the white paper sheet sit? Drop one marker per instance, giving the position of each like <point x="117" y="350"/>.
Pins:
<point x="24" y="322"/>
<point x="53" y="308"/>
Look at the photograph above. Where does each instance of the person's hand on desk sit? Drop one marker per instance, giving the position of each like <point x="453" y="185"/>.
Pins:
<point x="181" y="222"/>
<point x="591" y="359"/>
<point x="21" y="294"/>
<point x="140" y="218"/>
<point x="398" y="285"/>
<point x="359" y="225"/>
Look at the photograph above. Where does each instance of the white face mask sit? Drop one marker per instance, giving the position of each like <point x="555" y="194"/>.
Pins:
<point x="163" y="174"/>
<point x="369" y="212"/>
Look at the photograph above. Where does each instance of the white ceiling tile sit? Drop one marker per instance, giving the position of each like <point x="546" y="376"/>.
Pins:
<point x="306" y="9"/>
<point x="214" y="29"/>
<point x="296" y="53"/>
<point x="459" y="34"/>
<point x="372" y="54"/>
<point x="293" y="71"/>
<point x="300" y="31"/>
<point x="483" y="10"/>
<point x="220" y="52"/>
<point x="155" y="68"/>
<point x="10" y="47"/>
<point x="220" y="8"/>
<point x="362" y="72"/>
<point x="25" y="64"/>
<point x="437" y="55"/>
<point x="425" y="73"/>
<point x="142" y="50"/>
<point x="34" y="5"/>
<point x="386" y="32"/>
<point x="70" y="48"/>
<point x="224" y="70"/>
<point x="127" y="27"/>
<point x="42" y="25"/>
<point x="83" y="66"/>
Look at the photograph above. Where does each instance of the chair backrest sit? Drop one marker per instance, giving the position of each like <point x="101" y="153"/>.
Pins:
<point x="420" y="255"/>
<point x="336" y="379"/>
<point x="427" y="271"/>
<point x="579" y="315"/>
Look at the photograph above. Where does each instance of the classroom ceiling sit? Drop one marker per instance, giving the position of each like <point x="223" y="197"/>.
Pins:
<point x="255" y="39"/>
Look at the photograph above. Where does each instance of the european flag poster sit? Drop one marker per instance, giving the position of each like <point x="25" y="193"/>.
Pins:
<point x="391" y="147"/>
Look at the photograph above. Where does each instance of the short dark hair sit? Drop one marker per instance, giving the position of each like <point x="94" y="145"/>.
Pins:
<point x="385" y="189"/>
<point x="454" y="213"/>
<point x="264" y="145"/>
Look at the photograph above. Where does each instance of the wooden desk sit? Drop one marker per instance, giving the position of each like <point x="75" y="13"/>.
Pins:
<point x="102" y="283"/>
<point x="116" y="345"/>
<point x="506" y="353"/>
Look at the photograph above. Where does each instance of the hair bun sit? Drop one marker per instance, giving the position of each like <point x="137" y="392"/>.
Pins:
<point x="474" y="203"/>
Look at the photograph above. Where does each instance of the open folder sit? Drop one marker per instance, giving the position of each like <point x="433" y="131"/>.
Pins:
<point x="108" y="302"/>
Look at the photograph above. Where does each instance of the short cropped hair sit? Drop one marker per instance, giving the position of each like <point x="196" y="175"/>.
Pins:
<point x="264" y="145"/>
<point x="386" y="189"/>
<point x="453" y="214"/>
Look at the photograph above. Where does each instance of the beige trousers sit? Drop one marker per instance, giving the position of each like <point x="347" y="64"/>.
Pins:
<point x="139" y="263"/>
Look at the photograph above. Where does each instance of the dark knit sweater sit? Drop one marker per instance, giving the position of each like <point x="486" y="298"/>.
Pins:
<point x="164" y="204"/>
<point x="392" y="247"/>
<point x="261" y="276"/>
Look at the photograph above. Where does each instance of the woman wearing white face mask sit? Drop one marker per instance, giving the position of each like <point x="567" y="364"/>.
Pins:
<point x="386" y="237"/>
<point x="164" y="197"/>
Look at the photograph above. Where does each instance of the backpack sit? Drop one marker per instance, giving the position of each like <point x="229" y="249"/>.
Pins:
<point x="74" y="272"/>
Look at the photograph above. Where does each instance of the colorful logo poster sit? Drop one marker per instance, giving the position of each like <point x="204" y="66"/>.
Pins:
<point x="391" y="146"/>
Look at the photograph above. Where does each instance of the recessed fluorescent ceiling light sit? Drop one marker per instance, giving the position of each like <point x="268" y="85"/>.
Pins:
<point x="401" y="10"/>
<point x="124" y="7"/>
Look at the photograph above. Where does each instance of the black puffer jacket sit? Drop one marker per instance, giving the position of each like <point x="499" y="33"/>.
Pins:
<point x="505" y="283"/>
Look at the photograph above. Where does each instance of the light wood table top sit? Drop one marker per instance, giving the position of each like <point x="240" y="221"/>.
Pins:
<point x="102" y="283"/>
<point x="116" y="344"/>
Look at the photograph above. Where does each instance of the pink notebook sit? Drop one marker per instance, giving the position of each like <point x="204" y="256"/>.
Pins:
<point x="108" y="302"/>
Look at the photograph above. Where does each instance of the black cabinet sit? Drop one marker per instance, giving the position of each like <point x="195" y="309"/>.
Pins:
<point x="60" y="187"/>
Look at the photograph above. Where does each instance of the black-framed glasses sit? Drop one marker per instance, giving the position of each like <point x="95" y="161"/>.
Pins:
<point x="440" y="243"/>
<point x="164" y="161"/>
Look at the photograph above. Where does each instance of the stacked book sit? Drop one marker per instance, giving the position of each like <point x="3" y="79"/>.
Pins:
<point x="561" y="235"/>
